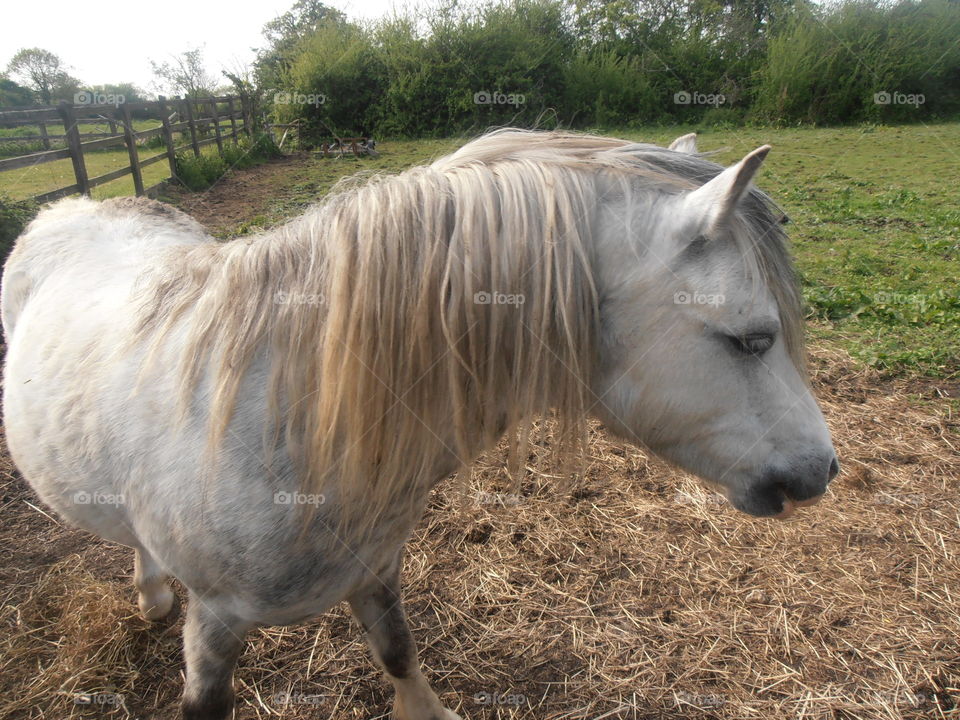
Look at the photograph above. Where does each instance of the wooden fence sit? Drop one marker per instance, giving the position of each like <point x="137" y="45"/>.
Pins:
<point x="221" y="118"/>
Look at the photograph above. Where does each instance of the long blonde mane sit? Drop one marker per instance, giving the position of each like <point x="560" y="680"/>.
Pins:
<point x="384" y="362"/>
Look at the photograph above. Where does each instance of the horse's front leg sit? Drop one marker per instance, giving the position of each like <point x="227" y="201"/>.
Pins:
<point x="212" y="641"/>
<point x="378" y="609"/>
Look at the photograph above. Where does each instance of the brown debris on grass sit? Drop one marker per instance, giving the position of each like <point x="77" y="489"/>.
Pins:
<point x="635" y="593"/>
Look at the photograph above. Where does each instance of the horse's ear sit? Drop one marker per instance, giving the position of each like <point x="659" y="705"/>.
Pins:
<point x="716" y="200"/>
<point x="685" y="143"/>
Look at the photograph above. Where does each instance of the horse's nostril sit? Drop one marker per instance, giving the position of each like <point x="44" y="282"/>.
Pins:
<point x="834" y="469"/>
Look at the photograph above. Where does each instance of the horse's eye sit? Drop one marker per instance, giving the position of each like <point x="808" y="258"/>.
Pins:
<point x="753" y="344"/>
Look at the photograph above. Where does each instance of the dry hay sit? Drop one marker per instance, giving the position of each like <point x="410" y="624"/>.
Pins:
<point x="633" y="594"/>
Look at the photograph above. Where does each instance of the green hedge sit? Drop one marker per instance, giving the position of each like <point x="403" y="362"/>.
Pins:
<point x="601" y="64"/>
<point x="199" y="173"/>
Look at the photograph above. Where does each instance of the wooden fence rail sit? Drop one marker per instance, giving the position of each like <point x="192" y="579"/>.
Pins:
<point x="190" y="117"/>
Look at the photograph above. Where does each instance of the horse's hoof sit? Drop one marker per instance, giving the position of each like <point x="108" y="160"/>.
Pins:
<point x="214" y="704"/>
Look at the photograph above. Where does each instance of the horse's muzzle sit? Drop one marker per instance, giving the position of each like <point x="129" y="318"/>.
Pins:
<point x="778" y="494"/>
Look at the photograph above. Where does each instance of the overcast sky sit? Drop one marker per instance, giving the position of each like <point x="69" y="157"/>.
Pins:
<point x="104" y="42"/>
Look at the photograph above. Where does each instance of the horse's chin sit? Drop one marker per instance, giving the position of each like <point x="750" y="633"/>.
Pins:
<point x="771" y="504"/>
<point x="791" y="506"/>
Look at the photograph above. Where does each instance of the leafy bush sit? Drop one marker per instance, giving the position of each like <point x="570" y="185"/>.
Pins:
<point x="861" y="62"/>
<point x="154" y="143"/>
<point x="14" y="216"/>
<point x="606" y="89"/>
<point x="339" y="76"/>
<point x="199" y="173"/>
<point x="490" y="65"/>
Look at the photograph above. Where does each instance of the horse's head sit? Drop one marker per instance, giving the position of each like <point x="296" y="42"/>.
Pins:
<point x="700" y="349"/>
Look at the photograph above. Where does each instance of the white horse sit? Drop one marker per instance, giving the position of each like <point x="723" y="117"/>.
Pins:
<point x="263" y="419"/>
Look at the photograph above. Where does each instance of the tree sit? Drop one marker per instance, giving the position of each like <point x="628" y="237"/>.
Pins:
<point x="65" y="88"/>
<point x="285" y="32"/>
<point x="44" y="73"/>
<point x="185" y="75"/>
<point x="250" y="99"/>
<point x="302" y="18"/>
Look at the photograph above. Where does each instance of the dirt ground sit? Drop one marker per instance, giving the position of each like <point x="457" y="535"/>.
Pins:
<point x="236" y="198"/>
<point x="633" y="594"/>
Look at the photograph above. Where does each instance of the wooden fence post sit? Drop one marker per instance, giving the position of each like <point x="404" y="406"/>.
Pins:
<point x="247" y="115"/>
<point x="72" y="136"/>
<point x="45" y="139"/>
<point x="168" y="138"/>
<point x="233" y="120"/>
<point x="131" y="140"/>
<point x="216" y="125"/>
<point x="192" y="125"/>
